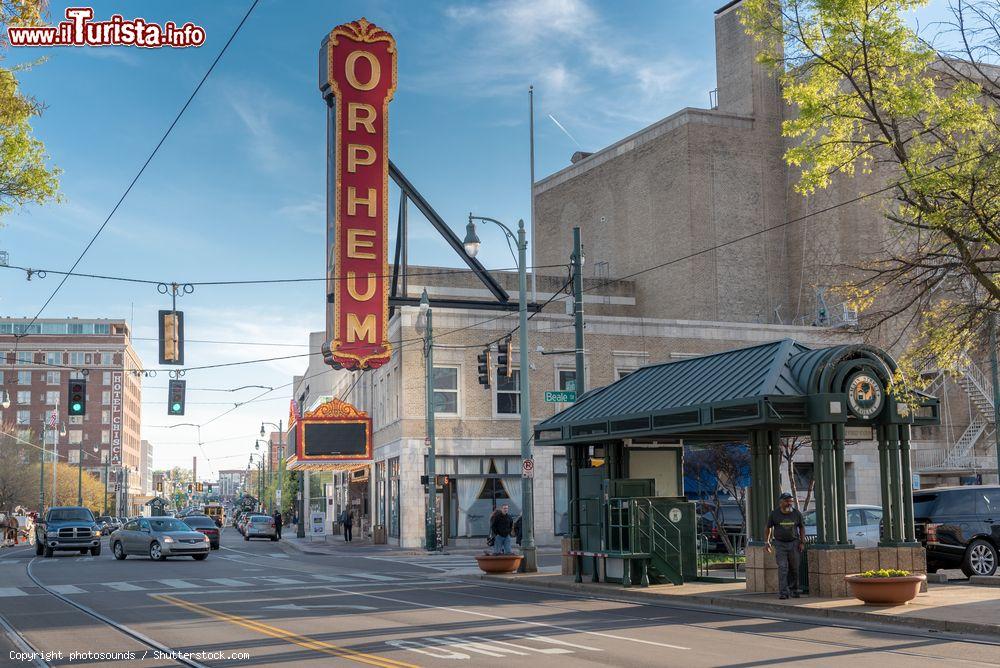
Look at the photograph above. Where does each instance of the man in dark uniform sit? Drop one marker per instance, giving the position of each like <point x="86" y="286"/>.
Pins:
<point x="785" y="539"/>
<point x="277" y="523"/>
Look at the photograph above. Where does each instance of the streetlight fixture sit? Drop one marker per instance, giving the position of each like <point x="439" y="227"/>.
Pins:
<point x="425" y="328"/>
<point x="5" y="399"/>
<point x="472" y="245"/>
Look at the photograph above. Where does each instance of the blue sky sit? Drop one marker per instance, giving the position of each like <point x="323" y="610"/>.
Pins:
<point x="237" y="190"/>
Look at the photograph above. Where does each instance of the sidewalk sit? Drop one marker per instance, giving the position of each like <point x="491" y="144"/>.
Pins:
<point x="951" y="608"/>
<point x="335" y="545"/>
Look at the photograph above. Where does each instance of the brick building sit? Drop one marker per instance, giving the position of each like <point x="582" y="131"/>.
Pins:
<point x="35" y="375"/>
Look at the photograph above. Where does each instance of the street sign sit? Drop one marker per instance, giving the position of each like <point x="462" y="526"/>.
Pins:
<point x="559" y="396"/>
<point x="528" y="468"/>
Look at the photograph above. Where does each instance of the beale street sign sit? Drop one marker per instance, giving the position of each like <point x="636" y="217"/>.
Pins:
<point x="362" y="76"/>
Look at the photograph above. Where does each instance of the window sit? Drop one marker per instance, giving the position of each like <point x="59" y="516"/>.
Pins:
<point x="446" y="390"/>
<point x="961" y="502"/>
<point x="873" y="516"/>
<point x="104" y="456"/>
<point x="106" y="398"/>
<point x="74" y="456"/>
<point x="77" y="359"/>
<point x="854" y="518"/>
<point x="53" y="377"/>
<point x="105" y="417"/>
<point x="52" y="398"/>
<point x="75" y="437"/>
<point x="24" y="357"/>
<point x="24" y="397"/>
<point x="107" y="377"/>
<point x="105" y="436"/>
<point x="24" y="418"/>
<point x="621" y="373"/>
<point x="24" y="378"/>
<point x="53" y="358"/>
<point x="508" y="397"/>
<point x="567" y="380"/>
<point x="102" y="329"/>
<point x="989" y="500"/>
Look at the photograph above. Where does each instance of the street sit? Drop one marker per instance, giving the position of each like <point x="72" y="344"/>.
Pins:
<point x="260" y="603"/>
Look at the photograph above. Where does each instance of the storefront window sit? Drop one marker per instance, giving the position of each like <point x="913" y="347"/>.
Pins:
<point x="380" y="493"/>
<point x="483" y="484"/>
<point x="560" y="496"/>
<point x="393" y="500"/>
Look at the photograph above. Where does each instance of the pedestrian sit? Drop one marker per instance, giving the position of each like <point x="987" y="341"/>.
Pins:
<point x="501" y="526"/>
<point x="788" y="531"/>
<point x="277" y="523"/>
<point x="347" y="519"/>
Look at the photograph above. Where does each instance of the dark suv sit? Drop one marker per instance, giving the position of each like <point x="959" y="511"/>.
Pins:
<point x="68" y="528"/>
<point x="960" y="527"/>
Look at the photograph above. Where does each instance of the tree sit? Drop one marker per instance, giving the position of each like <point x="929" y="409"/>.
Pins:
<point x="872" y="96"/>
<point x="790" y="446"/>
<point x="24" y="176"/>
<point x="17" y="459"/>
<point x="727" y="466"/>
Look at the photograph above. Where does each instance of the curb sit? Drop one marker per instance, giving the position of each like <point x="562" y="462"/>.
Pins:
<point x="727" y="604"/>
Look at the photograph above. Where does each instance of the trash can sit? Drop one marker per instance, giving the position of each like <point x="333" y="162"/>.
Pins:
<point x="378" y="534"/>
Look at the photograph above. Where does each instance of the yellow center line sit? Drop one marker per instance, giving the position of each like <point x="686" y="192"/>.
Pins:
<point x="295" y="638"/>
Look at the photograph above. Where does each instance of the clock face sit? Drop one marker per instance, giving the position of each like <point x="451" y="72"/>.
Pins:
<point x="865" y="396"/>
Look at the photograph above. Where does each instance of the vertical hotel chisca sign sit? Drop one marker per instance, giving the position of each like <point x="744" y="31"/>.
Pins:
<point x="360" y="63"/>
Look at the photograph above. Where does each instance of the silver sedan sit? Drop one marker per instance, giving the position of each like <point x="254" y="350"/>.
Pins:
<point x="159" y="537"/>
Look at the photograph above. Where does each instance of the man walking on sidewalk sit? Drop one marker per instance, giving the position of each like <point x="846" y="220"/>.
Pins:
<point x="347" y="519"/>
<point x="788" y="531"/>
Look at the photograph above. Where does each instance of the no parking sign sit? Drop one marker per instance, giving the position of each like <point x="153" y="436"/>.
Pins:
<point x="528" y="468"/>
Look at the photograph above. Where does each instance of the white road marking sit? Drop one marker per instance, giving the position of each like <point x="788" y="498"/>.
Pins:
<point x="282" y="581"/>
<point x="478" y="647"/>
<point x="429" y="650"/>
<point x="12" y="591"/>
<point x="554" y="641"/>
<point x="226" y="582"/>
<point x="66" y="589"/>
<point x="296" y="606"/>
<point x="331" y="578"/>
<point x="373" y="576"/>
<point x="123" y="586"/>
<point x="545" y="650"/>
<point x="179" y="584"/>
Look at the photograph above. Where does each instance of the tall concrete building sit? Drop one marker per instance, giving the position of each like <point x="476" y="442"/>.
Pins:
<point x="36" y="372"/>
<point x="146" y="467"/>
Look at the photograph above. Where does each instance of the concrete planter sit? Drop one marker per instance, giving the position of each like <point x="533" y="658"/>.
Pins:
<point x="885" y="591"/>
<point x="498" y="563"/>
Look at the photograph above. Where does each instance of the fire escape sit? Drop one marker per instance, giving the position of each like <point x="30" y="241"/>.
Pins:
<point x="962" y="454"/>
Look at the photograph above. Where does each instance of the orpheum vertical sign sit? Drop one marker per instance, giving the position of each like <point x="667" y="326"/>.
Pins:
<point x="117" y="381"/>
<point x="362" y="77"/>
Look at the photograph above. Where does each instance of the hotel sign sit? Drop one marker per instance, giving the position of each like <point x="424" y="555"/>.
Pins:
<point x="117" y="382"/>
<point x="361" y="62"/>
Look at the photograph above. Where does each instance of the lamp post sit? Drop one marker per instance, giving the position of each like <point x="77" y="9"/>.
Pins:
<point x="260" y="474"/>
<point x="281" y="448"/>
<point x="472" y="245"/>
<point x="425" y="327"/>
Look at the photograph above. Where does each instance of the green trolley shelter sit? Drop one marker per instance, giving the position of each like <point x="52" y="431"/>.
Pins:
<point x="624" y="444"/>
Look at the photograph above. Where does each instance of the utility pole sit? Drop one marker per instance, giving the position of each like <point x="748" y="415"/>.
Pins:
<point x="572" y="465"/>
<point x="430" y="519"/>
<point x="527" y="484"/>
<point x="996" y="389"/>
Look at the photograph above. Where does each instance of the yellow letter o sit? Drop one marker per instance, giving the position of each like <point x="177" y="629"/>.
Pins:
<point x="352" y="76"/>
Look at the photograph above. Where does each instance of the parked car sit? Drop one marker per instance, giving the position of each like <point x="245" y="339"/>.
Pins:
<point x="959" y="527"/>
<point x="159" y="537"/>
<point x="65" y="529"/>
<point x="260" y="526"/>
<point x="205" y="525"/>
<point x="863" y="524"/>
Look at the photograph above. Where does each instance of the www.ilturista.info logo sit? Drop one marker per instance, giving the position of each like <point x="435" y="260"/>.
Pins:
<point x="79" y="30"/>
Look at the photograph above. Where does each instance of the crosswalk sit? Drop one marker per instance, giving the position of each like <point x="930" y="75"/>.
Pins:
<point x="443" y="563"/>
<point x="197" y="585"/>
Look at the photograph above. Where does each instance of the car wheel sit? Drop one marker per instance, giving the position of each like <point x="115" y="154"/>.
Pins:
<point x="980" y="558"/>
<point x="119" y="551"/>
<point x="155" y="552"/>
<point x="95" y="551"/>
<point x="48" y="551"/>
<point x="199" y="557"/>
<point x="84" y="551"/>
<point x="38" y="548"/>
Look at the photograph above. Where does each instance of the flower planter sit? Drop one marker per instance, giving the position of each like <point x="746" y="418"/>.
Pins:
<point x="499" y="563"/>
<point x="885" y="591"/>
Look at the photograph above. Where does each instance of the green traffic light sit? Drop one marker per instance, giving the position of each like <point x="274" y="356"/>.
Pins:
<point x="176" y="407"/>
<point x="77" y="407"/>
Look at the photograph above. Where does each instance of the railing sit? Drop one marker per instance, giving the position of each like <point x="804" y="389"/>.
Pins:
<point x="656" y="526"/>
<point x="981" y="384"/>
<point x="707" y="557"/>
<point x="639" y="530"/>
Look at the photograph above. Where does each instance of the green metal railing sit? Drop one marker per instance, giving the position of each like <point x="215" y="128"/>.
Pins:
<point x="638" y="530"/>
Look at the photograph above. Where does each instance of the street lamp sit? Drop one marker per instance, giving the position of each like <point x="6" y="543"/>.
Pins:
<point x="4" y="399"/>
<point x="260" y="474"/>
<point x="281" y="453"/>
<point x="472" y="245"/>
<point x="425" y="328"/>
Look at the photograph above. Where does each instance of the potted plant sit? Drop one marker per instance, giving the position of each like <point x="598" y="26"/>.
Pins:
<point x="498" y="563"/>
<point x="885" y="586"/>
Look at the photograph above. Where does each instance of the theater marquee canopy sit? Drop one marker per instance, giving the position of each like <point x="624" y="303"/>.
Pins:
<point x="335" y="436"/>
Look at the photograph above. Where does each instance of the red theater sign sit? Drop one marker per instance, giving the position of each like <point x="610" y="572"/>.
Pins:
<point x="362" y="77"/>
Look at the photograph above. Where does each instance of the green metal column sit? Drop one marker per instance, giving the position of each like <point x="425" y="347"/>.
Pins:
<point x="774" y="450"/>
<point x="757" y="496"/>
<point x="895" y="489"/>
<point x="883" y="475"/>
<point x="820" y="500"/>
<point x="829" y="483"/>
<point x="841" y="482"/>
<point x="909" y="533"/>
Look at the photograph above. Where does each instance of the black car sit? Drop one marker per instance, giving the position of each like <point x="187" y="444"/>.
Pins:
<point x="206" y="525"/>
<point x="959" y="527"/>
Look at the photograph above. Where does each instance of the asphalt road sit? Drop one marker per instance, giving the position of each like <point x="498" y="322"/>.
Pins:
<point x="260" y="603"/>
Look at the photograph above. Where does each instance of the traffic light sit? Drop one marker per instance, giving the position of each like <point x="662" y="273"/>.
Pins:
<point x="175" y="397"/>
<point x="201" y="487"/>
<point x="504" y="357"/>
<point x="159" y="486"/>
<point x="77" y="397"/>
<point x="190" y="488"/>
<point x="171" y="337"/>
<point x="484" y="368"/>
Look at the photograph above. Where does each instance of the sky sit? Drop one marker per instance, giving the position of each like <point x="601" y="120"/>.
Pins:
<point x="237" y="190"/>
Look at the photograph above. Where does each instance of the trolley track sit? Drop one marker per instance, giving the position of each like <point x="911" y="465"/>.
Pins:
<point x="25" y="644"/>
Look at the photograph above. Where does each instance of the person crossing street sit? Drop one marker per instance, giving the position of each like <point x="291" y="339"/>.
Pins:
<point x="277" y="523"/>
<point x="788" y="531"/>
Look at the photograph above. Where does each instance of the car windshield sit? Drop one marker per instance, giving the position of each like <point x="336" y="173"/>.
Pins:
<point x="168" y="524"/>
<point x="70" y="514"/>
<point x="199" y="521"/>
<point x="923" y="504"/>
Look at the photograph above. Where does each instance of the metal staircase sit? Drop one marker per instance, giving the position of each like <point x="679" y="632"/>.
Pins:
<point x="639" y="531"/>
<point x="980" y="390"/>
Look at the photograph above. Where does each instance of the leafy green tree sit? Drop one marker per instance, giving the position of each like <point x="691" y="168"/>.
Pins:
<point x="24" y="175"/>
<point x="871" y="96"/>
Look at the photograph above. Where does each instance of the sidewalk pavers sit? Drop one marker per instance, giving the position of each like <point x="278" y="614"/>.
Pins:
<point x="951" y="608"/>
